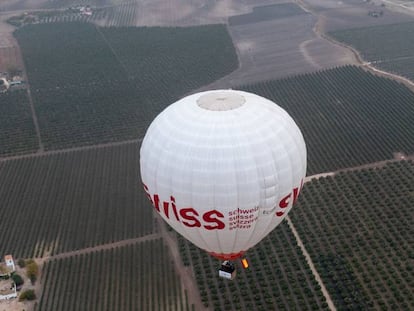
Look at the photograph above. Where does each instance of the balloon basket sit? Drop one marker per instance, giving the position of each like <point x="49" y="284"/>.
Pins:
<point x="227" y="270"/>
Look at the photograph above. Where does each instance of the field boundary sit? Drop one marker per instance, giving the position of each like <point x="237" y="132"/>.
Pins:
<point x="101" y="247"/>
<point x="187" y="278"/>
<point x="73" y="149"/>
<point x="311" y="265"/>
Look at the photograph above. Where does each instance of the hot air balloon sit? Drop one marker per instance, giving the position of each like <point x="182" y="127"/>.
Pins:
<point x="223" y="168"/>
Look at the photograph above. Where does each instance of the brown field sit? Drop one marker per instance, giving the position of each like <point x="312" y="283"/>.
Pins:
<point x="10" y="57"/>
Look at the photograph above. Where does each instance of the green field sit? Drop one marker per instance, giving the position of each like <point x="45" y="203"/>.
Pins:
<point x="358" y="229"/>
<point x="17" y="132"/>
<point x="93" y="85"/>
<point x="348" y="116"/>
<point x="135" y="277"/>
<point x="68" y="201"/>
<point x="389" y="47"/>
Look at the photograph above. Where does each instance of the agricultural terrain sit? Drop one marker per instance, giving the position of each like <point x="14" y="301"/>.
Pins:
<point x="18" y="134"/>
<point x="78" y="206"/>
<point x="134" y="277"/>
<point x="389" y="47"/>
<point x="338" y="15"/>
<point x="69" y="153"/>
<point x="10" y="58"/>
<point x="71" y="200"/>
<point x="357" y="228"/>
<point x="278" y="277"/>
<point x="276" y="41"/>
<point x="339" y="111"/>
<point x="273" y="38"/>
<point x="96" y="85"/>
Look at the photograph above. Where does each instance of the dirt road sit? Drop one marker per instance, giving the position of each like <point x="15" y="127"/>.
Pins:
<point x="311" y="266"/>
<point x="185" y="273"/>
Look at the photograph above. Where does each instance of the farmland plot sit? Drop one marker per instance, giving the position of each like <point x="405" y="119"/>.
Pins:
<point x="17" y="132"/>
<point x="9" y="53"/>
<point x="72" y="200"/>
<point x="357" y="227"/>
<point x="135" y="277"/>
<point x="389" y="47"/>
<point x="93" y="85"/>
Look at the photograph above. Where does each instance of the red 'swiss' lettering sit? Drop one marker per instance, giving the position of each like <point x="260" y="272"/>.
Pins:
<point x="174" y="207"/>
<point x="147" y="193"/>
<point x="209" y="218"/>
<point x="295" y="194"/>
<point x="286" y="200"/>
<point x="156" y="202"/>
<point x="166" y="208"/>
<point x="188" y="216"/>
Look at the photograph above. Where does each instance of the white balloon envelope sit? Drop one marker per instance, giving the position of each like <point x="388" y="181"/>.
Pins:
<point x="223" y="168"/>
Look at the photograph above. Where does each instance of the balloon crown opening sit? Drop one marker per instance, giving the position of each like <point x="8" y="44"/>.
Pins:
<point x="221" y="101"/>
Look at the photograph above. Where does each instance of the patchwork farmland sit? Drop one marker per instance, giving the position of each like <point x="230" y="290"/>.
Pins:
<point x="98" y="85"/>
<point x="78" y="209"/>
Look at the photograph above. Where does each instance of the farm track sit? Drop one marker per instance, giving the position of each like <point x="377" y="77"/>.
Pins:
<point x="29" y="95"/>
<point x="118" y="59"/>
<point x="311" y="265"/>
<point x="74" y="149"/>
<point x="378" y="164"/>
<point x="35" y="122"/>
<point x="185" y="273"/>
<point x="101" y="247"/>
